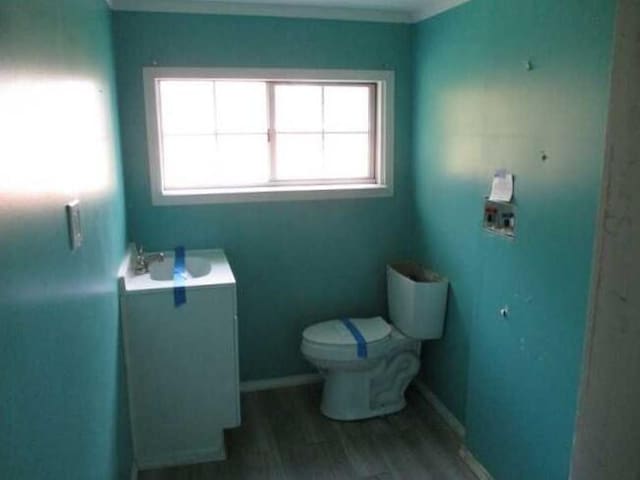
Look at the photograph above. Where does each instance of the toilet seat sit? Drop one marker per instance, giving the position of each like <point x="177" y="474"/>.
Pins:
<point x="334" y="332"/>
<point x="332" y="340"/>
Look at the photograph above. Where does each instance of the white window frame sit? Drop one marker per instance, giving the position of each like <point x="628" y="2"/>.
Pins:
<point x="380" y="186"/>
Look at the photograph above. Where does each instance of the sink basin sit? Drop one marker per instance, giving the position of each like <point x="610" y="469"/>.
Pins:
<point x="203" y="268"/>
<point x="195" y="267"/>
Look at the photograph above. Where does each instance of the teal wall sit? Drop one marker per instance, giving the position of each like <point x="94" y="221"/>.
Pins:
<point x="512" y="381"/>
<point x="296" y="263"/>
<point x="61" y="403"/>
<point x="465" y="105"/>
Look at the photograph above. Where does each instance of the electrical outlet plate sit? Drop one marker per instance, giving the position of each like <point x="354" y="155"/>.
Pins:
<point x="500" y="218"/>
<point x="74" y="225"/>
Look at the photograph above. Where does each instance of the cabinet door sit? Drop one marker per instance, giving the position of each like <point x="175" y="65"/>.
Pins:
<point x="182" y="369"/>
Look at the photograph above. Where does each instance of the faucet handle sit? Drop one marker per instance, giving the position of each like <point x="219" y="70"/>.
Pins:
<point x="139" y="250"/>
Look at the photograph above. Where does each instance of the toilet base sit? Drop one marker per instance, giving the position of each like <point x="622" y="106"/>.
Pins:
<point x="356" y="395"/>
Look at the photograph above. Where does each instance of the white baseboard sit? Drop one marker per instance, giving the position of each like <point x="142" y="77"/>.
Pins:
<point x="456" y="427"/>
<point x="280" y="382"/>
<point x="473" y="464"/>
<point x="450" y="419"/>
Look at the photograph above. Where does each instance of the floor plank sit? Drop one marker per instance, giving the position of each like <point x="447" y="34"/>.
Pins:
<point x="285" y="437"/>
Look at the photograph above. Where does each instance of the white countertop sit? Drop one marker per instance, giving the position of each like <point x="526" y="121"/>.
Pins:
<point x="219" y="275"/>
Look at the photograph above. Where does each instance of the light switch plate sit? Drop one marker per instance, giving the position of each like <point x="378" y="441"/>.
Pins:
<point x="73" y="223"/>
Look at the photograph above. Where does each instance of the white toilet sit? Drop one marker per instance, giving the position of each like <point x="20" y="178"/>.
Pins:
<point x="368" y="363"/>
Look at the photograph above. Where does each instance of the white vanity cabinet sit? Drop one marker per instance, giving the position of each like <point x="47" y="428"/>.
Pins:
<point x="182" y="363"/>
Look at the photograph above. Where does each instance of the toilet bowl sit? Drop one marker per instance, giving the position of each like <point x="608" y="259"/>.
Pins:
<point x="367" y="363"/>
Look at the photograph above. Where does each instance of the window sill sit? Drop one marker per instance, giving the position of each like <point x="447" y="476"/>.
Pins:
<point x="271" y="194"/>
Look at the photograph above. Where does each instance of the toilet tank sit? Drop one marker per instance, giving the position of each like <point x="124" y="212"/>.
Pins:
<point x="417" y="300"/>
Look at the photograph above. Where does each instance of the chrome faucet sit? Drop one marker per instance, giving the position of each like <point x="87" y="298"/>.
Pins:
<point x="143" y="261"/>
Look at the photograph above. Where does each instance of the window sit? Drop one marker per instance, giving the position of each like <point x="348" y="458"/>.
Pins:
<point x="222" y="135"/>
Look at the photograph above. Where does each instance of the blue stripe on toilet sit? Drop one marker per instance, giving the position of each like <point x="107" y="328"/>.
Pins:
<point x="362" y="343"/>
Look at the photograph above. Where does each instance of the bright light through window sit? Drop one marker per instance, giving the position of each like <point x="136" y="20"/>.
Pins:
<point x="215" y="135"/>
<point x="323" y="132"/>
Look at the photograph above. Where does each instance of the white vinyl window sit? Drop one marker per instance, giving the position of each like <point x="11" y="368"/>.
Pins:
<point x="220" y="135"/>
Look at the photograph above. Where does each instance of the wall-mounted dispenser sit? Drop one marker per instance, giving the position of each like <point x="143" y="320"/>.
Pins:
<point x="499" y="211"/>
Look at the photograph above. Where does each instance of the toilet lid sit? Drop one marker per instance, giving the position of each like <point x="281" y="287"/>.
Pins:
<point x="334" y="332"/>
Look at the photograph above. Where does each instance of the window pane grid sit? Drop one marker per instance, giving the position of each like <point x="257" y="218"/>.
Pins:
<point x="266" y="155"/>
<point x="324" y="163"/>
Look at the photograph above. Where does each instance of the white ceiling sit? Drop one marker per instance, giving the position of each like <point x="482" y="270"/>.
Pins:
<point x="400" y="11"/>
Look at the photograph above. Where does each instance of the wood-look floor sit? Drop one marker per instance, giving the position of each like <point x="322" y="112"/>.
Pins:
<point x="284" y="436"/>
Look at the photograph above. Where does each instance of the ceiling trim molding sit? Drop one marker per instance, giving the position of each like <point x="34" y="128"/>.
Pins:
<point x="214" y="7"/>
<point x="290" y="11"/>
<point x="435" y="7"/>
